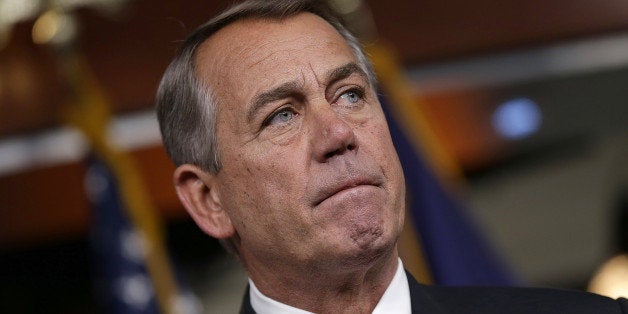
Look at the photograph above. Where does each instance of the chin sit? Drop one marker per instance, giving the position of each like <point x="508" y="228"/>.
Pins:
<point x="369" y="245"/>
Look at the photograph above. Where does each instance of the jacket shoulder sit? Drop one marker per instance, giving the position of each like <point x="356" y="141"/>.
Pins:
<point x="522" y="300"/>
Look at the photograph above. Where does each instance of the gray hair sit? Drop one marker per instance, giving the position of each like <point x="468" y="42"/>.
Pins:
<point x="186" y="108"/>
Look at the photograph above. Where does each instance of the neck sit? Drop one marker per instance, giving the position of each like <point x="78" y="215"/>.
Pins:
<point x="337" y="289"/>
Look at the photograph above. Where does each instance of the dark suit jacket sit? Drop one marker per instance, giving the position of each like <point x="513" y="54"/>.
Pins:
<point x="474" y="300"/>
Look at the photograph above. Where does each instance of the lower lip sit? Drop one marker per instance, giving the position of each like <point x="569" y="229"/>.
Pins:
<point x="359" y="191"/>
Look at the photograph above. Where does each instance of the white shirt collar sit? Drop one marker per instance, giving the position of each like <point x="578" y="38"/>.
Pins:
<point x="265" y="305"/>
<point x="396" y="298"/>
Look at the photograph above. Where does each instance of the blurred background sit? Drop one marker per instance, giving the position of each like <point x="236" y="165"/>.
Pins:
<point x="525" y="102"/>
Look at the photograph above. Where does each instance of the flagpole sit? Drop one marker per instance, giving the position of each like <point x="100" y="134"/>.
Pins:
<point x="88" y="110"/>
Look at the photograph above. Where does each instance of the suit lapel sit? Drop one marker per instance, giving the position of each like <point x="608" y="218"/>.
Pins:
<point x="420" y="300"/>
<point x="246" y="307"/>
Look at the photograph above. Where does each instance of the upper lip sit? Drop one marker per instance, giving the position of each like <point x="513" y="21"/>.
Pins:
<point x="344" y="184"/>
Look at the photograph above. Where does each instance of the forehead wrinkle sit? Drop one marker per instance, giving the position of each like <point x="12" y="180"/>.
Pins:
<point x="251" y="51"/>
<point x="293" y="50"/>
<point x="321" y="83"/>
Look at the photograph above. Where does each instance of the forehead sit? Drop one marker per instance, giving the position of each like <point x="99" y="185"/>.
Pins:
<point x="259" y="53"/>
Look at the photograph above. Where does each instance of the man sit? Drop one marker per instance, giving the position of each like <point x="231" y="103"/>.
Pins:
<point x="282" y="150"/>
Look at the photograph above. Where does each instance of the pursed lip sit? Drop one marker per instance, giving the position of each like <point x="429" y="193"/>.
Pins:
<point x="343" y="185"/>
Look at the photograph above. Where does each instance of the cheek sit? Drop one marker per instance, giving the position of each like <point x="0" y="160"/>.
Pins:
<point x="377" y="139"/>
<point x="379" y="145"/>
<point x="262" y="183"/>
<point x="265" y="204"/>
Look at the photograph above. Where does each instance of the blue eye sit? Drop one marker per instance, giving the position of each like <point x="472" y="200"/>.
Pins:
<point x="282" y="116"/>
<point x="352" y="96"/>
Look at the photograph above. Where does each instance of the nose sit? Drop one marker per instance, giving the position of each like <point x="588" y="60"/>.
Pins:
<point x="332" y="136"/>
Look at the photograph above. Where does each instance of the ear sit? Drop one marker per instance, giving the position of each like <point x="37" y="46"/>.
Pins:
<point x="198" y="192"/>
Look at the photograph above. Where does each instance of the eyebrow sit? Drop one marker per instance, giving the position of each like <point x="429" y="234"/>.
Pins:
<point x="291" y="88"/>
<point x="343" y="72"/>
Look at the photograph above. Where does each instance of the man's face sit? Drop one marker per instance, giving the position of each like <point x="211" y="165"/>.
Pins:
<point x="309" y="170"/>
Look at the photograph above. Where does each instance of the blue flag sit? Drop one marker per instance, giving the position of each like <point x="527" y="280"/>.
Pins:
<point x="123" y="284"/>
<point x="456" y="252"/>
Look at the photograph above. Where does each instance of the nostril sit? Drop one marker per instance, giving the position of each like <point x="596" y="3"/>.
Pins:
<point x="331" y="154"/>
<point x="340" y="151"/>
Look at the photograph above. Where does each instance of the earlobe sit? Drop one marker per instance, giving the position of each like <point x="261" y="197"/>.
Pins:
<point x="198" y="192"/>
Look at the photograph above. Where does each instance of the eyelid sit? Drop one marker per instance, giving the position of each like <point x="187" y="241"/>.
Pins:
<point x="359" y="90"/>
<point x="274" y="113"/>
